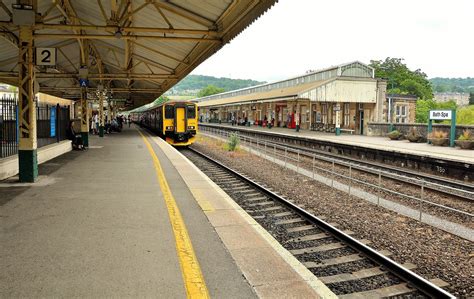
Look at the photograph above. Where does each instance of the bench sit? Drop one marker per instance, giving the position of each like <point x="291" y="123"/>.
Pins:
<point x="348" y="130"/>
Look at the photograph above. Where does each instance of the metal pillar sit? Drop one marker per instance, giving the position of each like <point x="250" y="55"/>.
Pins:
<point x="101" y="113"/>
<point x="84" y="117"/>
<point x="338" y="122"/>
<point x="27" y="153"/>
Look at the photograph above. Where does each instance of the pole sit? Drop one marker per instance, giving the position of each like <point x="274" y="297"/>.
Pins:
<point x="430" y="128"/>
<point x="452" y="136"/>
<point x="27" y="151"/>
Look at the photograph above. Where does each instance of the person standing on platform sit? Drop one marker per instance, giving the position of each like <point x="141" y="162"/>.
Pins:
<point x="297" y="121"/>
<point x="129" y="120"/>
<point x="95" y="120"/>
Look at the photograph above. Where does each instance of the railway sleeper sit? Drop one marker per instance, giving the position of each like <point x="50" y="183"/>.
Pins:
<point x="265" y="203"/>
<point x="341" y="260"/>
<point x="325" y="247"/>
<point x="289" y="221"/>
<point x="301" y="228"/>
<point x="270" y="209"/>
<point x="259" y="198"/>
<point x="364" y="273"/>
<point x="390" y="291"/>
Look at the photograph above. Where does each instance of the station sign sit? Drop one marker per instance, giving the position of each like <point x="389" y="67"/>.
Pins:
<point x="83" y="83"/>
<point x="46" y="56"/>
<point x="441" y="114"/>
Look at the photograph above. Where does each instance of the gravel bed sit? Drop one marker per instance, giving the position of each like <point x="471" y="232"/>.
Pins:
<point x="436" y="253"/>
<point x="397" y="186"/>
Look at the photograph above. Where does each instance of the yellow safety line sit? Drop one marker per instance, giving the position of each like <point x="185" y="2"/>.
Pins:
<point x="192" y="275"/>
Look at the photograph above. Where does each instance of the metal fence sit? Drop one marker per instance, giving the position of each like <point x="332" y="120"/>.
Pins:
<point x="290" y="156"/>
<point x="51" y="125"/>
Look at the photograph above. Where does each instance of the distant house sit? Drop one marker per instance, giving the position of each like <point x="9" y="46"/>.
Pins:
<point x="461" y="98"/>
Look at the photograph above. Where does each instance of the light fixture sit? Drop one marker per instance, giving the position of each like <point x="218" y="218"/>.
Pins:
<point x="118" y="33"/>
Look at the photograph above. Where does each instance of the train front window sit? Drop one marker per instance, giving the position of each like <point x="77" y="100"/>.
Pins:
<point x="191" y="112"/>
<point x="169" y="111"/>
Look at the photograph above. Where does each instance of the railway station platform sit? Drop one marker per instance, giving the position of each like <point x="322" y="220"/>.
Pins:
<point x="131" y="217"/>
<point x="372" y="142"/>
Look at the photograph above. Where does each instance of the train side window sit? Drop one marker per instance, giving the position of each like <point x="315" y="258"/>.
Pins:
<point x="191" y="112"/>
<point x="169" y="111"/>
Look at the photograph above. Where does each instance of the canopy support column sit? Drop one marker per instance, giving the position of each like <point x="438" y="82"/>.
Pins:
<point x="101" y="113"/>
<point x="27" y="153"/>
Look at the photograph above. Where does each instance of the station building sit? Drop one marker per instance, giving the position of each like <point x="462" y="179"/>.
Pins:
<point x="347" y="94"/>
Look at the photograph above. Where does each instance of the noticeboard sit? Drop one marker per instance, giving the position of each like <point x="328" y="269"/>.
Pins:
<point x="53" y="122"/>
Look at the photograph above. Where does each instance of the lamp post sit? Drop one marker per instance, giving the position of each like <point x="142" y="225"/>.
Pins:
<point x="389" y="120"/>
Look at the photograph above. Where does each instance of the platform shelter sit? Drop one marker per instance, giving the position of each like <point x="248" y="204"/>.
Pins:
<point x="350" y="90"/>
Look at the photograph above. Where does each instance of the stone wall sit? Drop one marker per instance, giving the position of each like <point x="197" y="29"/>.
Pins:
<point x="381" y="129"/>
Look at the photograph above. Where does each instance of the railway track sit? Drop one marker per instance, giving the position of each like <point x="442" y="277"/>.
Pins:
<point x="347" y="266"/>
<point x="462" y="190"/>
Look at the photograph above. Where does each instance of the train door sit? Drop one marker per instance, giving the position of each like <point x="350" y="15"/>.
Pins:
<point x="180" y="119"/>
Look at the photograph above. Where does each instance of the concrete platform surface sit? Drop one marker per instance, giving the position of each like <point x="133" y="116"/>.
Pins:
<point x="96" y="225"/>
<point x="381" y="143"/>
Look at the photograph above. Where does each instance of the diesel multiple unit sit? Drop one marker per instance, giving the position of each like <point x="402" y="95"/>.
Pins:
<point x="176" y="122"/>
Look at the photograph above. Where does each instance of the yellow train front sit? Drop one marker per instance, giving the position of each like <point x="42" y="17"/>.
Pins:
<point x="176" y="122"/>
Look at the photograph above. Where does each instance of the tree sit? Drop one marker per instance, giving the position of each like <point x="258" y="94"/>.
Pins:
<point x="209" y="90"/>
<point x="465" y="116"/>
<point x="423" y="107"/>
<point x="471" y="98"/>
<point x="401" y="79"/>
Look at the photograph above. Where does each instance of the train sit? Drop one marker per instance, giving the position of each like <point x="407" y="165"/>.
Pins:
<point x="175" y="122"/>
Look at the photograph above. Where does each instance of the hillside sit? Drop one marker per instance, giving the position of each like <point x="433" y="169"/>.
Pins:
<point x="453" y="84"/>
<point x="191" y="84"/>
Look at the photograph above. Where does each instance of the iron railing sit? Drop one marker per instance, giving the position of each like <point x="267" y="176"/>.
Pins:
<point x="9" y="126"/>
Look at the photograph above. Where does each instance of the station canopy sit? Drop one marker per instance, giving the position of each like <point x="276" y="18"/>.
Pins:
<point x="137" y="49"/>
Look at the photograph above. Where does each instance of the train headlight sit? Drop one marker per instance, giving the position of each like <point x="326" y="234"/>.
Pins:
<point x="190" y="127"/>
<point x="169" y="128"/>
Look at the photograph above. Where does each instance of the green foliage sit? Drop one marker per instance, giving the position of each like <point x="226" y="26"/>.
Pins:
<point x="453" y="84"/>
<point x="160" y="100"/>
<point x="423" y="108"/>
<point x="471" y="98"/>
<point x="192" y="83"/>
<point x="233" y="142"/>
<point x="209" y="90"/>
<point x="401" y="79"/>
<point x="465" y="115"/>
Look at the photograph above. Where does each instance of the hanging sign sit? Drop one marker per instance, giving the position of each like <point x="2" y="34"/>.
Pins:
<point x="45" y="56"/>
<point x="440" y="114"/>
<point x="53" y="122"/>
<point x="83" y="83"/>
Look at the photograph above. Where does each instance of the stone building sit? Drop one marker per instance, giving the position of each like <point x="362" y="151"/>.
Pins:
<point x="346" y="94"/>
<point x="461" y="98"/>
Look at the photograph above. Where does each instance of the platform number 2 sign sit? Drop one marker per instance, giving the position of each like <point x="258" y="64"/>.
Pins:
<point x="45" y="56"/>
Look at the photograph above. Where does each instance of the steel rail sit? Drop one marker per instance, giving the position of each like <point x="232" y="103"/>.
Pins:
<point x="410" y="277"/>
<point x="391" y="172"/>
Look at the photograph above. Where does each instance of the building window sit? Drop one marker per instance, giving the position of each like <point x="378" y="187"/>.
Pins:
<point x="401" y="113"/>
<point x="346" y="114"/>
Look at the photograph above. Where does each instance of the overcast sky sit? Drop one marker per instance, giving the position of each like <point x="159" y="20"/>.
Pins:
<point x="294" y="36"/>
